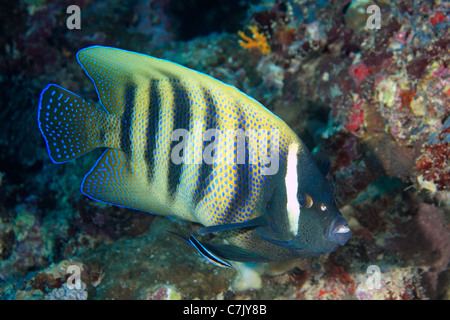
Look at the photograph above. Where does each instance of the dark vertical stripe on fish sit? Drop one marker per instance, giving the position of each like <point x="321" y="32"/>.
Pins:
<point x="181" y="119"/>
<point x="152" y="129"/>
<point x="127" y="118"/>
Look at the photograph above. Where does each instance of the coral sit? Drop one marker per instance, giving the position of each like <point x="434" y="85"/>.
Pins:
<point x="356" y="118"/>
<point x="49" y="283"/>
<point x="406" y="97"/>
<point x="65" y="293"/>
<point x="54" y="282"/>
<point x="359" y="72"/>
<point x="162" y="293"/>
<point x="433" y="165"/>
<point x="258" y="41"/>
<point x="45" y="282"/>
<point x="249" y="277"/>
<point x="395" y="284"/>
<point x="437" y="18"/>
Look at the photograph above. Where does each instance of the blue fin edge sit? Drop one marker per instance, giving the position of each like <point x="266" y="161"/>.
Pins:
<point x="207" y="254"/>
<point x="215" y="260"/>
<point x="39" y="122"/>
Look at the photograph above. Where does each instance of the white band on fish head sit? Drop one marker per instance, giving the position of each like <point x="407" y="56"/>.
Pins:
<point x="293" y="206"/>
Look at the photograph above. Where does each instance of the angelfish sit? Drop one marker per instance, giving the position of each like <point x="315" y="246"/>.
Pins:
<point x="264" y="215"/>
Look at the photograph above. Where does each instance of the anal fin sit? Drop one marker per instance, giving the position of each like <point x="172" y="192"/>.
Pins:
<point x="112" y="181"/>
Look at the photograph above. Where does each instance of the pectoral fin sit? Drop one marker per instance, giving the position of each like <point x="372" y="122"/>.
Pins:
<point x="253" y="223"/>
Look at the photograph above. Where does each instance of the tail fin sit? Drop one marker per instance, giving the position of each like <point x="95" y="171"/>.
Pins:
<point x="70" y="125"/>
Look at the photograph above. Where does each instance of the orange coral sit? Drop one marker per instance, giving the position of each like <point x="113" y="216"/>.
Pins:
<point x="406" y="96"/>
<point x="258" y="41"/>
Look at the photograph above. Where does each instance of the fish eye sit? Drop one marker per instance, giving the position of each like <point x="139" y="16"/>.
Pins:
<point x="308" y="201"/>
<point x="305" y="201"/>
<point x="323" y="207"/>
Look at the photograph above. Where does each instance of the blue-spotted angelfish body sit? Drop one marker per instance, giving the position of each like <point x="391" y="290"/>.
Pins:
<point x="182" y="144"/>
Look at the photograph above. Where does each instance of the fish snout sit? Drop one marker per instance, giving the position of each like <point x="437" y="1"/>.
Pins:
<point x="339" y="231"/>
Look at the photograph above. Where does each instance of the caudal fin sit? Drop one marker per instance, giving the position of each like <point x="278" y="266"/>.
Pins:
<point x="70" y="125"/>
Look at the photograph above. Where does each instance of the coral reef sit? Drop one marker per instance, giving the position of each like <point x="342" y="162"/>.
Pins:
<point x="377" y="101"/>
<point x="65" y="293"/>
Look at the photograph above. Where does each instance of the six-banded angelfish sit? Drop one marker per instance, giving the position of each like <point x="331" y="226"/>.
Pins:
<point x="185" y="145"/>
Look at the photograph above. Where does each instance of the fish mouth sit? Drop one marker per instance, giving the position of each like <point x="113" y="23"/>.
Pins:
<point x="339" y="231"/>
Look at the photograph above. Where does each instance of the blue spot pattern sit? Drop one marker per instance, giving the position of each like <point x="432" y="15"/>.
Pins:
<point x="69" y="124"/>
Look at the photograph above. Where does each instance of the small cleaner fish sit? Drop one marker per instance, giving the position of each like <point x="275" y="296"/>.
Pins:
<point x="182" y="144"/>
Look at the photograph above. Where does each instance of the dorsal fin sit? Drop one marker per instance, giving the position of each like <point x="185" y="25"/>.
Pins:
<point x="114" y="71"/>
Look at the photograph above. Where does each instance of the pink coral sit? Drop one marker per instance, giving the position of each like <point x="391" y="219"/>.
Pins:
<point x="357" y="118"/>
<point x="359" y="72"/>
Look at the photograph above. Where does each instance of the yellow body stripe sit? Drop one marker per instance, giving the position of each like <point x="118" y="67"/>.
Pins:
<point x="159" y="184"/>
<point x="138" y="129"/>
<point x="191" y="172"/>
